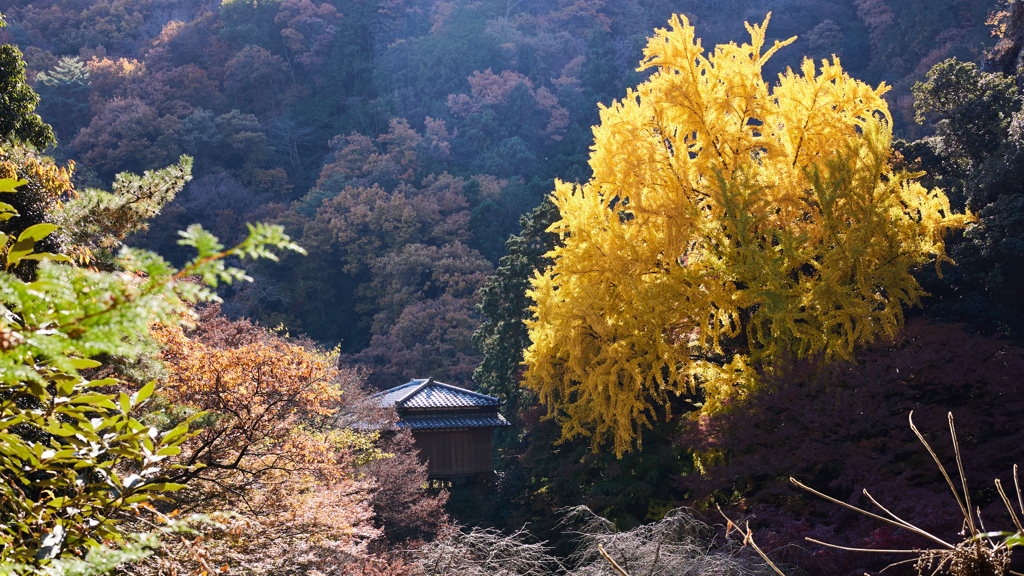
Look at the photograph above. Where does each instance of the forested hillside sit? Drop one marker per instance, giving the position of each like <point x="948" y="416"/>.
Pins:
<point x="690" y="262"/>
<point x="398" y="142"/>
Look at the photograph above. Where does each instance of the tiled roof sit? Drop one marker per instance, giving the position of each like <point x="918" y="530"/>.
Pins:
<point x="426" y="393"/>
<point x="398" y="393"/>
<point x="452" y="420"/>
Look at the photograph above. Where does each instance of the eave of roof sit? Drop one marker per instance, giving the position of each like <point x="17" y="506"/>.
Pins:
<point x="452" y="421"/>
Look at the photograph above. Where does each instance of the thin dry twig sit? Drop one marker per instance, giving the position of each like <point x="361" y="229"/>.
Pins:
<point x="906" y="524"/>
<point x="748" y="538"/>
<point x="977" y="555"/>
<point x="1009" y="507"/>
<point x="876" y="550"/>
<point x="963" y="478"/>
<point x="910" y="527"/>
<point x="611" y="561"/>
<point x="965" y="511"/>
<point x="1016" y="482"/>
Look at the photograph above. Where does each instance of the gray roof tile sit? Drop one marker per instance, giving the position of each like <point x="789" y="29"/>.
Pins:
<point x="398" y="393"/>
<point x="452" y="420"/>
<point x="427" y="394"/>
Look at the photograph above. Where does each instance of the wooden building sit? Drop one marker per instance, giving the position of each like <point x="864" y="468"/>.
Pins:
<point x="452" y="426"/>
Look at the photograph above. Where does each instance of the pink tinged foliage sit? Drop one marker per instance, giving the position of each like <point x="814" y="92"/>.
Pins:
<point x="108" y="77"/>
<point x="436" y="139"/>
<point x="461" y="104"/>
<point x="420" y="272"/>
<point x="579" y="15"/>
<point x="488" y="88"/>
<point x="400" y="145"/>
<point x="364" y="223"/>
<point x="440" y="13"/>
<point x="943" y="44"/>
<point x="403" y="509"/>
<point x="308" y="31"/>
<point x="559" y="120"/>
<point x="877" y="16"/>
<point x="255" y="79"/>
<point x="432" y="337"/>
<point x="351" y="157"/>
<point x="569" y="77"/>
<point x="326" y="531"/>
<point x="122" y="135"/>
<point x="177" y="90"/>
<point x="271" y="453"/>
<point x="182" y="43"/>
<point x="397" y="155"/>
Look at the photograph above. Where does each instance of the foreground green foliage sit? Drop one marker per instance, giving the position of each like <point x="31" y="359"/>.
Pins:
<point x="72" y="458"/>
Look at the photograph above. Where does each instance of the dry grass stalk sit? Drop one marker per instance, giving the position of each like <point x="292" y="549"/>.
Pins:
<point x="611" y="561"/>
<point x="977" y="555"/>
<point x="748" y="539"/>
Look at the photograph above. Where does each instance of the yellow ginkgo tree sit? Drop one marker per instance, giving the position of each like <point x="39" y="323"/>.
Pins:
<point x="729" y="225"/>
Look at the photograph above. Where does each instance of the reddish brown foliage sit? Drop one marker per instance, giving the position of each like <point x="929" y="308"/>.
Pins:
<point x="268" y="449"/>
<point x="430" y="337"/>
<point x="403" y="509"/>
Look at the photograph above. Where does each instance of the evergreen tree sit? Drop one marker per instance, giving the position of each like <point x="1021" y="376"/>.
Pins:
<point x="64" y="96"/>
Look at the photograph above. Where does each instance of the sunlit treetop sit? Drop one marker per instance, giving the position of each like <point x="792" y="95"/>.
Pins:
<point x="728" y="225"/>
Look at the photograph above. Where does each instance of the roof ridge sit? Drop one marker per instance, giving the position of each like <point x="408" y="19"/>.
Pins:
<point x="463" y="390"/>
<point x="415" y="390"/>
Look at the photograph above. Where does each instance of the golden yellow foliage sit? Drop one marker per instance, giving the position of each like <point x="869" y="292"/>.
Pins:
<point x="728" y="225"/>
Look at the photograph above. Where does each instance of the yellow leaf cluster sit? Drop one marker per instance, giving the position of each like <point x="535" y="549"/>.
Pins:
<point x="728" y="224"/>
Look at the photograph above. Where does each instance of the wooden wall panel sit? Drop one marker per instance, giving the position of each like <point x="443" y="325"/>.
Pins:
<point x="455" y="453"/>
<point x="481" y="450"/>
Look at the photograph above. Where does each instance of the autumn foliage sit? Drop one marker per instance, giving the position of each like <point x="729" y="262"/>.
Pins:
<point x="267" y="450"/>
<point x="729" y="224"/>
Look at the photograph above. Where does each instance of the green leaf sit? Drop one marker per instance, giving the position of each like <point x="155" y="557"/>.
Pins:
<point x="164" y="487"/>
<point x="10" y="184"/>
<point x="175" y="432"/>
<point x="12" y="421"/>
<point x="19" y="250"/>
<point x="83" y="363"/>
<point x="47" y="256"/>
<point x="143" y="394"/>
<point x="169" y="451"/>
<point x="10" y="443"/>
<point x="37" y="232"/>
<point x="94" y="399"/>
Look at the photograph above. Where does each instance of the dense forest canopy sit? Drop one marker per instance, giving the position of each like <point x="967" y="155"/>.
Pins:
<point x="440" y="184"/>
<point x="398" y="141"/>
